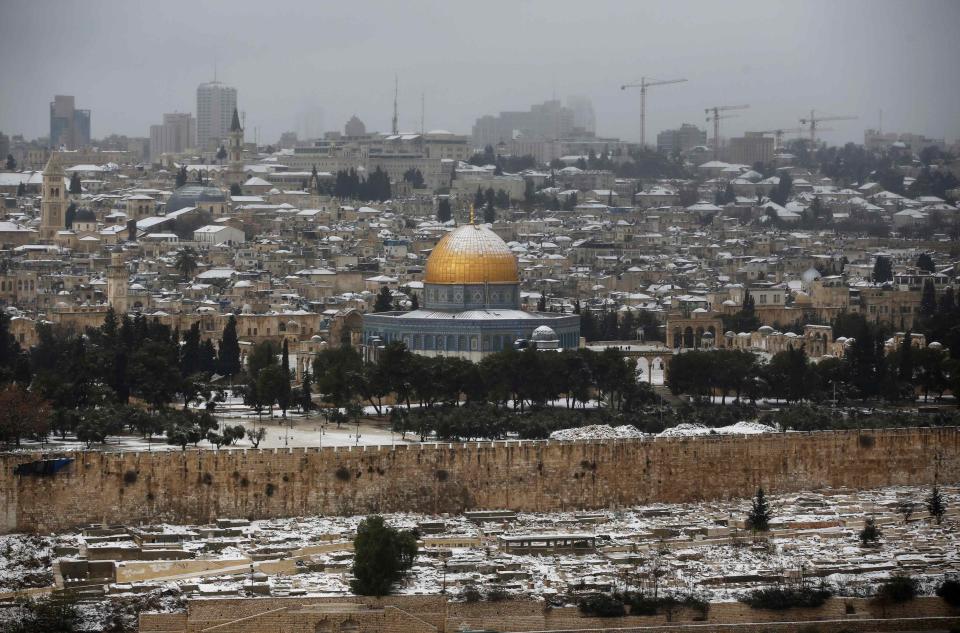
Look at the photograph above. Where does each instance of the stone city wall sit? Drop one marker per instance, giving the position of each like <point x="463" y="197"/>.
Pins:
<point x="433" y="614"/>
<point x="199" y="486"/>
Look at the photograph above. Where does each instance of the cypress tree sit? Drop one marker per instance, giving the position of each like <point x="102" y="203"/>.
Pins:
<point x="758" y="519"/>
<point x="306" y="388"/>
<point x="936" y="505"/>
<point x="230" y="349"/>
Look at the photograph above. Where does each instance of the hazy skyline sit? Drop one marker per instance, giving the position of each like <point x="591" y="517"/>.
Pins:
<point x="130" y="62"/>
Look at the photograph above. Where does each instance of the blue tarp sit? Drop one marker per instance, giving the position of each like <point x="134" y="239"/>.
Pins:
<point x="43" y="467"/>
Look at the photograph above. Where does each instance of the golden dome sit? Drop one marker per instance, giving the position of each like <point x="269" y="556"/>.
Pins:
<point x="471" y="255"/>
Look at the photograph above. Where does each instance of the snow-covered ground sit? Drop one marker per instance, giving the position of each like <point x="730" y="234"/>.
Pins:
<point x="700" y="547"/>
<point x="684" y="429"/>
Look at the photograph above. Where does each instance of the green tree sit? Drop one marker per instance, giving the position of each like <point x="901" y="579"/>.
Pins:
<point x="381" y="556"/>
<point x="75" y="187"/>
<point x="186" y="262"/>
<point x="256" y="436"/>
<point x="444" y="213"/>
<point x="925" y="263"/>
<point x="70" y="215"/>
<point x="221" y="153"/>
<point x="928" y="299"/>
<point x="489" y="213"/>
<point x="781" y="193"/>
<point x="870" y="534"/>
<point x="284" y="397"/>
<point x="414" y="177"/>
<point x="384" y="301"/>
<point x="758" y="519"/>
<point x="791" y="376"/>
<point x="905" y="358"/>
<point x="235" y="190"/>
<point x="936" y="504"/>
<point x="154" y="373"/>
<point x="229" y="355"/>
<point x="11" y="164"/>
<point x="882" y="269"/>
<point x="305" y="399"/>
<point x="181" y="178"/>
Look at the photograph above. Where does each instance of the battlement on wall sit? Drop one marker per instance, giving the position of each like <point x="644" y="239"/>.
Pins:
<point x="540" y="475"/>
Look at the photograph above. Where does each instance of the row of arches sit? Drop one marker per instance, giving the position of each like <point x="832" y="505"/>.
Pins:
<point x="689" y="338"/>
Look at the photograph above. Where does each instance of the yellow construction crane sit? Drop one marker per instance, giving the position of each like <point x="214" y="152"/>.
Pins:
<point x="644" y="83"/>
<point x="813" y="121"/>
<point x="713" y="114"/>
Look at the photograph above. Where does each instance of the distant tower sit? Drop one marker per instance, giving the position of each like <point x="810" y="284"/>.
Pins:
<point x="118" y="280"/>
<point x="235" y="152"/>
<point x="53" y="206"/>
<point x="396" y="89"/>
<point x="354" y="127"/>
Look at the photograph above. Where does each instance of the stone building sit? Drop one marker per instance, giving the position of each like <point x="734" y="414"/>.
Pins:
<point x="471" y="304"/>
<point x="53" y="206"/>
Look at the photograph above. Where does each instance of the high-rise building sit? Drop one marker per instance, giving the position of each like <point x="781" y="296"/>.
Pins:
<point x="584" y="118"/>
<point x="215" y="105"/>
<point x="354" y="127"/>
<point x="175" y="135"/>
<point x="69" y="127"/>
<point x="545" y="121"/>
<point x="681" y="139"/>
<point x="751" y="148"/>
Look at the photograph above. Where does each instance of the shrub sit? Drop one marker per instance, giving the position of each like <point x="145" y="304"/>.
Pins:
<point x="870" y="534"/>
<point x="471" y="593"/>
<point x="270" y="489"/>
<point x="342" y="473"/>
<point x="130" y="477"/>
<point x="601" y="605"/>
<point x="381" y="556"/>
<point x="949" y="590"/>
<point x="497" y="594"/>
<point x="897" y="589"/>
<point x="782" y="598"/>
<point x="758" y="519"/>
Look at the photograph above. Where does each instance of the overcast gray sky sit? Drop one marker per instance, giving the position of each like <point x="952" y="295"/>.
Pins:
<point x="130" y="61"/>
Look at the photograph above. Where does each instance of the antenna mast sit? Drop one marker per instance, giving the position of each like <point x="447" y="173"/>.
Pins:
<point x="396" y="89"/>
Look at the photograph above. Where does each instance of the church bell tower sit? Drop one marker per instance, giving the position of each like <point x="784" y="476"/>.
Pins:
<point x="118" y="280"/>
<point x="235" y="152"/>
<point x="53" y="204"/>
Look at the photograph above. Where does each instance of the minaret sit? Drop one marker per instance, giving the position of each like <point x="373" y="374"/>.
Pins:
<point x="118" y="281"/>
<point x="235" y="152"/>
<point x="53" y="205"/>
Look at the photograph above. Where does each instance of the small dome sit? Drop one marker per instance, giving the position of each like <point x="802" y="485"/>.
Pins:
<point x="85" y="215"/>
<point x="544" y="333"/>
<point x="190" y="195"/>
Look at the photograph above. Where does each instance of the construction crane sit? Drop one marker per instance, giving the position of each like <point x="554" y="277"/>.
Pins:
<point x="813" y="121"/>
<point x="713" y="114"/>
<point x="646" y="82"/>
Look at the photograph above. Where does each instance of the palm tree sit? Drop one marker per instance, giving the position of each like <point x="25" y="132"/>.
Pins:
<point x="186" y="262"/>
